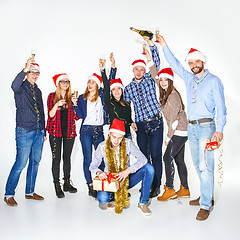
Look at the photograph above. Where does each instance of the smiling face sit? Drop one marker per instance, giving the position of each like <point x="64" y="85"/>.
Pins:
<point x="164" y="83"/>
<point x="116" y="139"/>
<point x="196" y="66"/>
<point x="117" y="92"/>
<point x="92" y="85"/>
<point x="33" y="75"/>
<point x="64" y="84"/>
<point x="139" y="72"/>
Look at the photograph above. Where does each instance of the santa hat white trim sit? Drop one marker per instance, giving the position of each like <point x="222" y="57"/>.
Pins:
<point x="94" y="78"/>
<point x="195" y="55"/>
<point x="162" y="75"/>
<point x="62" y="77"/>
<point x="139" y="63"/>
<point x="116" y="85"/>
<point x="116" y="131"/>
<point x="35" y="66"/>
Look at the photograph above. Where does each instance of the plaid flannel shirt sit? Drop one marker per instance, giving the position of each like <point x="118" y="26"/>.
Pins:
<point x="143" y="94"/>
<point x="54" y="123"/>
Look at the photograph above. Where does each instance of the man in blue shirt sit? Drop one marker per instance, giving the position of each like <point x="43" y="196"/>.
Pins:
<point x="204" y="95"/>
<point x="142" y="93"/>
<point x="30" y="131"/>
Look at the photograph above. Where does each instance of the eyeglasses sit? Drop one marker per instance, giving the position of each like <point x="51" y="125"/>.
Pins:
<point x="34" y="73"/>
<point x="62" y="82"/>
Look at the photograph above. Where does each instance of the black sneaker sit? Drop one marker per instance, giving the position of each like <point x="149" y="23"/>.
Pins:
<point x="154" y="193"/>
<point x="67" y="187"/>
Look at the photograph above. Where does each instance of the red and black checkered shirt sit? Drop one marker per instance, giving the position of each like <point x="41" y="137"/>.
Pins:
<point x="54" y="123"/>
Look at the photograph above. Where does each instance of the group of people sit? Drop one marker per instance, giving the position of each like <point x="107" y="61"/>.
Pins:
<point x="111" y="104"/>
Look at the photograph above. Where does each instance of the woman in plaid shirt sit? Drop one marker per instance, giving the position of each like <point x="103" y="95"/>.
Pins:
<point x="62" y="129"/>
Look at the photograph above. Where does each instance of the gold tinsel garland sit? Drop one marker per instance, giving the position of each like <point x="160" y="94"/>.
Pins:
<point x="121" y="196"/>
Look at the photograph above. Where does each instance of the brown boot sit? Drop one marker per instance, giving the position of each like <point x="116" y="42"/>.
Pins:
<point x="183" y="192"/>
<point x="168" y="194"/>
<point x="202" y="214"/>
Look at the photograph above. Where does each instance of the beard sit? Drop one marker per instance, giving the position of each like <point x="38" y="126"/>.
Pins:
<point x="197" y="70"/>
<point x="138" y="79"/>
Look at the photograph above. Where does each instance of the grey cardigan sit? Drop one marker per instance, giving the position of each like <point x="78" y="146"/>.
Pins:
<point x="175" y="116"/>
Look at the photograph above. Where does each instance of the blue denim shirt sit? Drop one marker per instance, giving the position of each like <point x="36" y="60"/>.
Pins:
<point x="28" y="98"/>
<point x="204" y="95"/>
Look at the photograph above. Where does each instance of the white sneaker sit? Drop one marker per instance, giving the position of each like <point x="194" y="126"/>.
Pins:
<point x="145" y="209"/>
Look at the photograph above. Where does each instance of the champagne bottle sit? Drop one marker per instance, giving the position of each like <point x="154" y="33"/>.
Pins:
<point x="143" y="32"/>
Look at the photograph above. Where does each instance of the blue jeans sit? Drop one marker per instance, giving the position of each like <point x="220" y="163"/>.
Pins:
<point x="150" y="139"/>
<point x="29" y="144"/>
<point x="90" y="136"/>
<point x="144" y="174"/>
<point x="198" y="134"/>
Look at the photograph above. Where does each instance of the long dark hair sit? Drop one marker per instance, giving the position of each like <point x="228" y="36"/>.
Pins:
<point x="163" y="95"/>
<point x="122" y="101"/>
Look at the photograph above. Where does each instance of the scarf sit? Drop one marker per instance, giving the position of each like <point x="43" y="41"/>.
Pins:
<point x="121" y="196"/>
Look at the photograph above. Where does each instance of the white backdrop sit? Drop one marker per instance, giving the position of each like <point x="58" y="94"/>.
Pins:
<point x="70" y="36"/>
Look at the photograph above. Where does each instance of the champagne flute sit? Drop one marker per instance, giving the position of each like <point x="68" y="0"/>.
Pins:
<point x="144" y="48"/>
<point x="33" y="53"/>
<point x="75" y="92"/>
<point x="157" y="33"/>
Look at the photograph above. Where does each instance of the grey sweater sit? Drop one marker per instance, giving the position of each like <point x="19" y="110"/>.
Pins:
<point x="131" y="148"/>
<point x="175" y="116"/>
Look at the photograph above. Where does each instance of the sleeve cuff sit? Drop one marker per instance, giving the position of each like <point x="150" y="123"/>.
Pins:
<point x="167" y="139"/>
<point x="150" y="64"/>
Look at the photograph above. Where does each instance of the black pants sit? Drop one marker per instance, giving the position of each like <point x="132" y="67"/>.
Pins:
<point x="56" y="147"/>
<point x="175" y="151"/>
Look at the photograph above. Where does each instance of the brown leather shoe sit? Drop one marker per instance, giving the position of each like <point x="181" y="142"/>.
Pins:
<point x="34" y="197"/>
<point x="202" y="214"/>
<point x="196" y="202"/>
<point x="10" y="202"/>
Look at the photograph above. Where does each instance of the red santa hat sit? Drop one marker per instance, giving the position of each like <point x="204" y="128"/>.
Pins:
<point x="96" y="78"/>
<point x="167" y="73"/>
<point x="116" y="82"/>
<point x="195" y="54"/>
<point x="34" y="66"/>
<point x="59" y="77"/>
<point x="118" y="126"/>
<point x="138" y="63"/>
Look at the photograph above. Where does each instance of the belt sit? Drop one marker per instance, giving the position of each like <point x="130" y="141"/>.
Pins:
<point x="203" y="120"/>
<point x="156" y="117"/>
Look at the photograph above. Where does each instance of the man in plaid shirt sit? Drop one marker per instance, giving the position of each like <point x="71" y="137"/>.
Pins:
<point x="142" y="93"/>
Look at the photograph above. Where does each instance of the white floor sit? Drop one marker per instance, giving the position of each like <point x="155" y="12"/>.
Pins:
<point x="77" y="216"/>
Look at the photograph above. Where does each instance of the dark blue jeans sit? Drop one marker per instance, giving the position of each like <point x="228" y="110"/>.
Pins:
<point x="144" y="174"/>
<point x="90" y="136"/>
<point x="150" y="139"/>
<point x="29" y="149"/>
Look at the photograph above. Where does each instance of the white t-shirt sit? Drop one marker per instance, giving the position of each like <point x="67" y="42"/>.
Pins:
<point x="94" y="113"/>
